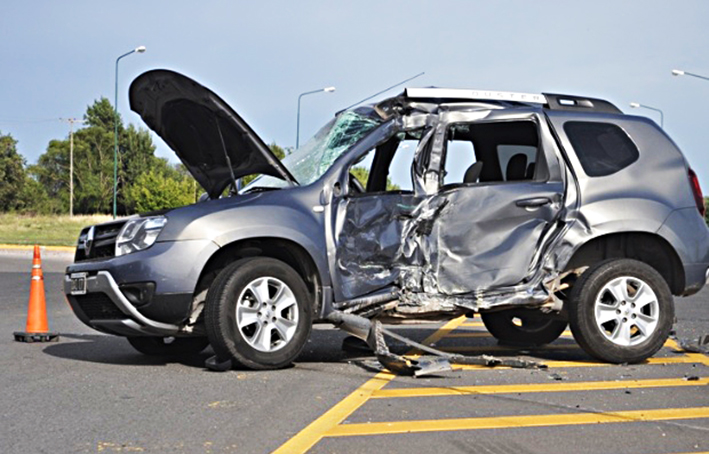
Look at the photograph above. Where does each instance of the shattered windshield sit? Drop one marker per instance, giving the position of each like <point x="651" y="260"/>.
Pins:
<point x="312" y="160"/>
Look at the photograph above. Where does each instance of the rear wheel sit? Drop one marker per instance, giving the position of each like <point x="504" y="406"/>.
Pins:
<point x="523" y="327"/>
<point x="169" y="346"/>
<point x="258" y="313"/>
<point x="621" y="311"/>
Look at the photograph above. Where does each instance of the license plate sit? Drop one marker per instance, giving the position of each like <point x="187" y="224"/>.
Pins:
<point x="78" y="283"/>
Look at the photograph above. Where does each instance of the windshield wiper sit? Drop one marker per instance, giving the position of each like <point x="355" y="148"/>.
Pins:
<point x="260" y="189"/>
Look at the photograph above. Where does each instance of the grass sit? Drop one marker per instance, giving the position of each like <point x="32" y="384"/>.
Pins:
<point x="45" y="230"/>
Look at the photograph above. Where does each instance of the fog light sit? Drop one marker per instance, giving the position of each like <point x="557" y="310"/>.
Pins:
<point x="139" y="294"/>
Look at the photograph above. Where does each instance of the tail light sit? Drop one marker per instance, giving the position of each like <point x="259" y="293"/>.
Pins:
<point x="697" y="191"/>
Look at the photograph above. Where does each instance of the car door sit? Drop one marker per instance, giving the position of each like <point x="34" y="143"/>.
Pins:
<point x="495" y="224"/>
<point x="370" y="210"/>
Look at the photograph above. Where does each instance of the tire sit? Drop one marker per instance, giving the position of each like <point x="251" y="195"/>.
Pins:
<point x="169" y="346"/>
<point x="244" y="321"/>
<point x="523" y="327"/>
<point x="621" y="311"/>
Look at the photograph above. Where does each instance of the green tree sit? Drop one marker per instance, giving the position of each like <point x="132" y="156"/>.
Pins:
<point x="277" y="150"/>
<point x="12" y="173"/>
<point x="94" y="161"/>
<point x="362" y="174"/>
<point x="34" y="199"/>
<point x="159" y="188"/>
<point x="102" y="114"/>
<point x="93" y="171"/>
<point x="18" y="190"/>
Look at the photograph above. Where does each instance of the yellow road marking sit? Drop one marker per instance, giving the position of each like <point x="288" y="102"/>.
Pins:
<point x="507" y="348"/>
<point x="469" y="334"/>
<point x="329" y="424"/>
<point x="473" y="325"/>
<point x="566" y="333"/>
<point x="537" y="388"/>
<point x="306" y="438"/>
<point x="684" y="359"/>
<point x="507" y="422"/>
<point x="670" y="343"/>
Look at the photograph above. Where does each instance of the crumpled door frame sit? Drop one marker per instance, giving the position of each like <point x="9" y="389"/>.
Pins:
<point x="415" y="255"/>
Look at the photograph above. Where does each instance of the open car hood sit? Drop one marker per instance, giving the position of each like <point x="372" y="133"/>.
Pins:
<point x="207" y="135"/>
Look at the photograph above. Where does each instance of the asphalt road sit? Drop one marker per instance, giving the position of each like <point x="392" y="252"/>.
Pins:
<point x="93" y="393"/>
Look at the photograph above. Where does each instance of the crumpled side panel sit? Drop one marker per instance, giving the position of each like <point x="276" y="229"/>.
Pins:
<point x="460" y="247"/>
<point x="445" y="250"/>
<point x="485" y="240"/>
<point x="369" y="242"/>
<point x="473" y="238"/>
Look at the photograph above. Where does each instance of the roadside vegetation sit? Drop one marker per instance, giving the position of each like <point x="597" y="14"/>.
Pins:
<point x="45" y="230"/>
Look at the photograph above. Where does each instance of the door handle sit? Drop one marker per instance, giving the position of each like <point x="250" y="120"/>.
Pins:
<point x="534" y="202"/>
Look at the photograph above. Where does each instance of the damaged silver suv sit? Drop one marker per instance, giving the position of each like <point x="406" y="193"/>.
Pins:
<point x="536" y="211"/>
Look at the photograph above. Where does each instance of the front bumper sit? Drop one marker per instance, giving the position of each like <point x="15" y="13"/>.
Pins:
<point x="174" y="267"/>
<point x="105" y="308"/>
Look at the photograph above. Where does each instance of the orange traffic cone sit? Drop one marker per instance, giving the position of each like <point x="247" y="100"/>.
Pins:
<point x="37" y="327"/>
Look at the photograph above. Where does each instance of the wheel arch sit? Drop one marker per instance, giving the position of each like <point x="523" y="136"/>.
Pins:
<point x="288" y="251"/>
<point x="646" y="247"/>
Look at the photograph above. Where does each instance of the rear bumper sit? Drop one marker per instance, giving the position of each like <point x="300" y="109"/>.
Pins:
<point x="106" y="309"/>
<point x="688" y="234"/>
<point x="695" y="277"/>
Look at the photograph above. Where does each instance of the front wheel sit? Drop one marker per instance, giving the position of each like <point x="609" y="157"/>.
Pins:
<point x="621" y="311"/>
<point x="258" y="313"/>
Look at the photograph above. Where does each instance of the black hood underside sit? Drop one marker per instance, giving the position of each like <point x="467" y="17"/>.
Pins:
<point x="199" y="126"/>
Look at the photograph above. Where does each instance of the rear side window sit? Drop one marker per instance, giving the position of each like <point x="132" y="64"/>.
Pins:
<point x="602" y="148"/>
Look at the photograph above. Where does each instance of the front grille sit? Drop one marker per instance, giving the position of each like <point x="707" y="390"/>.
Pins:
<point x="98" y="306"/>
<point x="102" y="243"/>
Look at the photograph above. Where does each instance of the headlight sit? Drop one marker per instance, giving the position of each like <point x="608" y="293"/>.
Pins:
<point x="139" y="234"/>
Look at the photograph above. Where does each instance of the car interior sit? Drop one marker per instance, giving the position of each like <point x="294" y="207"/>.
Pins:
<point x="490" y="153"/>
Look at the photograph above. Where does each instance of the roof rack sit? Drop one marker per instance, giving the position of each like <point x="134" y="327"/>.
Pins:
<point x="487" y="95"/>
<point x="579" y="103"/>
<point x="548" y="100"/>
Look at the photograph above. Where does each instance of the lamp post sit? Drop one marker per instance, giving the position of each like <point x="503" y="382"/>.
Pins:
<point x="71" y="122"/>
<point x="139" y="50"/>
<point x="679" y="72"/>
<point x="297" y="132"/>
<point x="635" y="105"/>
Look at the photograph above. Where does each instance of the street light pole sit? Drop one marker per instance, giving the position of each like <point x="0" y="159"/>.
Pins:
<point x="635" y="105"/>
<point x="71" y="122"/>
<point x="297" y="132"/>
<point x="139" y="50"/>
<point x="679" y="72"/>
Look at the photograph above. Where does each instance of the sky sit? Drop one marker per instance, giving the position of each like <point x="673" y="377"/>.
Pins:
<point x="58" y="57"/>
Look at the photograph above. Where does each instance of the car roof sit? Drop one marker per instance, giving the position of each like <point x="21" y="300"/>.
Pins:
<point x="549" y="101"/>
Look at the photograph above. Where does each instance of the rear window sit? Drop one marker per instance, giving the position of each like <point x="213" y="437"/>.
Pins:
<point x="602" y="148"/>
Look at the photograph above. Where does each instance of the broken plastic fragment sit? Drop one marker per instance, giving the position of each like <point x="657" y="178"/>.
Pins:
<point x="373" y="333"/>
<point x="700" y="345"/>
